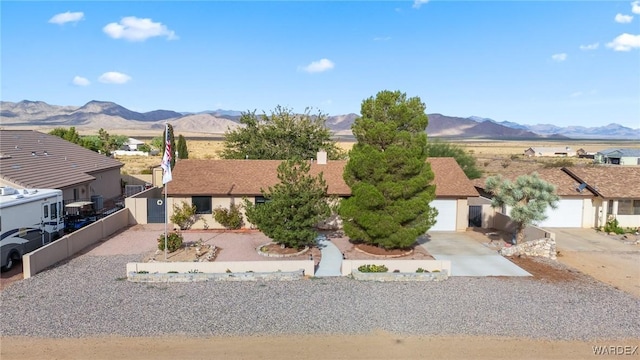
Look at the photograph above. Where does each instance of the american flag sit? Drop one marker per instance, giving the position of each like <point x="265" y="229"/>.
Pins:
<point x="166" y="158"/>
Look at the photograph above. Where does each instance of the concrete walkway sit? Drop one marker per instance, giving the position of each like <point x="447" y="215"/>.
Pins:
<point x="331" y="258"/>
<point x="469" y="257"/>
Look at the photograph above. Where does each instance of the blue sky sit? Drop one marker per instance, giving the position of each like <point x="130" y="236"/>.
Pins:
<point x="563" y="63"/>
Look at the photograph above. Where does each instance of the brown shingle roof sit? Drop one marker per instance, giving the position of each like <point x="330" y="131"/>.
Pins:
<point x="64" y="164"/>
<point x="565" y="185"/>
<point x="247" y="177"/>
<point x="610" y="181"/>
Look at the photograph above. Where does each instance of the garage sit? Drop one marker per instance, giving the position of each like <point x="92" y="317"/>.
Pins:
<point x="447" y="212"/>
<point x="568" y="214"/>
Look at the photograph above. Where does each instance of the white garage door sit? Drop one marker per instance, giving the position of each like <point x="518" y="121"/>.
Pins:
<point x="446" y="220"/>
<point x="568" y="214"/>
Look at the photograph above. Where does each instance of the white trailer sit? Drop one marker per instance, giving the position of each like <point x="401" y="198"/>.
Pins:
<point x="29" y="219"/>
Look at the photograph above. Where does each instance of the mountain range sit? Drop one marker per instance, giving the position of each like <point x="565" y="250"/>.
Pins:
<point x="111" y="116"/>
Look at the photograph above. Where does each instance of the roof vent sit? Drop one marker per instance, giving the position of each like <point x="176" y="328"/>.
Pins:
<point x="46" y="153"/>
<point x="33" y="153"/>
<point x="581" y="187"/>
<point x="5" y="190"/>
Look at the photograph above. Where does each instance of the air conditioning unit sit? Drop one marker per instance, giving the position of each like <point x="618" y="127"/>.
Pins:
<point x="7" y="191"/>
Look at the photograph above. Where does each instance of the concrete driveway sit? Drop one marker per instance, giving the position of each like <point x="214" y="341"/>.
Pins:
<point x="605" y="258"/>
<point x="469" y="257"/>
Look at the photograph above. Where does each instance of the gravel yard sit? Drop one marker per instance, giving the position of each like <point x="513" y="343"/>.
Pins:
<point x="87" y="296"/>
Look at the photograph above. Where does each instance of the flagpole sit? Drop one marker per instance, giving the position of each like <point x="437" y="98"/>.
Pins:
<point x="166" y="220"/>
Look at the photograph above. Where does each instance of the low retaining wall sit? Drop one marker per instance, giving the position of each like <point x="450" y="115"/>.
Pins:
<point x="401" y="276"/>
<point x="541" y="247"/>
<point x="222" y="267"/>
<point x="404" y="266"/>
<point x="504" y="223"/>
<point x="197" y="277"/>
<point x="68" y="245"/>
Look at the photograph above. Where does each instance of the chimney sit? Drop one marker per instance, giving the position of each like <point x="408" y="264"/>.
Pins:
<point x="322" y="157"/>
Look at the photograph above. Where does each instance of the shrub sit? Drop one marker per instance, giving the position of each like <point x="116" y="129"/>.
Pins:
<point x="230" y="218"/>
<point x="174" y="242"/>
<point x="372" y="268"/>
<point x="184" y="216"/>
<point x="421" y="270"/>
<point x="613" y="226"/>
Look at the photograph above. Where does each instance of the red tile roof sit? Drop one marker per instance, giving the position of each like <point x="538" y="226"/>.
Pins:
<point x="248" y="177"/>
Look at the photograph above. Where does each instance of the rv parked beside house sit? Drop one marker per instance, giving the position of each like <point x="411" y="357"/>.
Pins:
<point x="29" y="219"/>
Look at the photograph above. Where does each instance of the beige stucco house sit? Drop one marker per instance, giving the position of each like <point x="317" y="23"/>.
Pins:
<point x="212" y="183"/>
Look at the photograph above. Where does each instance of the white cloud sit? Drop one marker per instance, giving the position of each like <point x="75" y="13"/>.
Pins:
<point x="66" y="17"/>
<point x="135" y="29"/>
<point x="635" y="7"/>
<point x="559" y="57"/>
<point x="589" y="46"/>
<point x="113" y="77"/>
<point x="81" y="81"/>
<point x="318" y="66"/>
<point x="623" y="19"/>
<point x="625" y="42"/>
<point x="418" y="3"/>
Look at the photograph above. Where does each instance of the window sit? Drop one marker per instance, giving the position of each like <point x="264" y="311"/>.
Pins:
<point x="45" y="211"/>
<point x="260" y="200"/>
<point x="202" y="203"/>
<point x="628" y="207"/>
<point x="54" y="211"/>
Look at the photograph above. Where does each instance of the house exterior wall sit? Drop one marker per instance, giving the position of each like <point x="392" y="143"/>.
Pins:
<point x="630" y="160"/>
<point x="107" y="184"/>
<point x="462" y="217"/>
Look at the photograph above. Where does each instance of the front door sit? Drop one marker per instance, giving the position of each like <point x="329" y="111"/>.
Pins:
<point x="155" y="211"/>
<point x="475" y="216"/>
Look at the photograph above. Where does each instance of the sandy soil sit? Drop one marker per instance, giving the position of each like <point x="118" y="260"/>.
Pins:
<point x="379" y="345"/>
<point x="620" y="270"/>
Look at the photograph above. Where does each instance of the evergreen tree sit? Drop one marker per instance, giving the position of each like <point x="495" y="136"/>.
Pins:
<point x="294" y="206"/>
<point x="390" y="180"/>
<point x="183" y="152"/>
<point x="529" y="196"/>
<point x="173" y="145"/>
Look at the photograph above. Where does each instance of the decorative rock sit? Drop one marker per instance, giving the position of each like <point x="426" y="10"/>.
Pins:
<point x="540" y="248"/>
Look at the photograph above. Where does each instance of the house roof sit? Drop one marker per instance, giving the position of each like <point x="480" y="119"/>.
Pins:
<point x="565" y="185"/>
<point x="622" y="152"/>
<point x="248" y="177"/>
<point x="549" y="150"/>
<point x="32" y="159"/>
<point x="610" y="181"/>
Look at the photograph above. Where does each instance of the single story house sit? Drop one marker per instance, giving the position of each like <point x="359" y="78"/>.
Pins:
<point x="31" y="159"/>
<point x="132" y="144"/>
<point x="212" y="183"/>
<point x="588" y="195"/>
<point x="618" y="156"/>
<point x="549" y="151"/>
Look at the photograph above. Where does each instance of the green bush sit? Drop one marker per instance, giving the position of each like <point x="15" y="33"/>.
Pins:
<point x="373" y="268"/>
<point x="421" y="270"/>
<point x="613" y="226"/>
<point x="174" y="242"/>
<point x="184" y="216"/>
<point x="229" y="218"/>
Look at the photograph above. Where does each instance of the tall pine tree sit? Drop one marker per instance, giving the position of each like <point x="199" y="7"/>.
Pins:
<point x="390" y="180"/>
<point x="183" y="152"/>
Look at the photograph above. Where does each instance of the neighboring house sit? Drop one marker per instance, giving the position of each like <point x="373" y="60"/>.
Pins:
<point x="584" y="154"/>
<point x="618" y="156"/>
<point x="549" y="151"/>
<point x="132" y="144"/>
<point x="617" y="190"/>
<point x="31" y="159"/>
<point x="212" y="183"/>
<point x="588" y="195"/>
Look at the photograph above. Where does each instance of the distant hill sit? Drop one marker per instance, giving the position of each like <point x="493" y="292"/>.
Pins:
<point x="111" y="116"/>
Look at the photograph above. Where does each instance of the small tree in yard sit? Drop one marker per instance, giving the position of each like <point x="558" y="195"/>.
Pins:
<point x="529" y="196"/>
<point x="390" y="180"/>
<point x="293" y="207"/>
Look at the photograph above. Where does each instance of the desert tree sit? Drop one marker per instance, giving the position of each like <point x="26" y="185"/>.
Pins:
<point x="528" y="197"/>
<point x="293" y="206"/>
<point x="390" y="180"/>
<point x="281" y="135"/>
<point x="70" y="134"/>
<point x="439" y="148"/>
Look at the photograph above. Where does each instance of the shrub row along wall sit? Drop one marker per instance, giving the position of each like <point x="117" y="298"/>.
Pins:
<point x="68" y="245"/>
<point x="221" y="267"/>
<point x="541" y="247"/>
<point x="404" y="266"/>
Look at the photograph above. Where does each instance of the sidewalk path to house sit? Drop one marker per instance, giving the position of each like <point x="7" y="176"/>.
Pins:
<point x="331" y="262"/>
<point x="469" y="257"/>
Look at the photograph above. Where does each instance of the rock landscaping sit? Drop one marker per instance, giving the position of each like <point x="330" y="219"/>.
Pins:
<point x="537" y="248"/>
